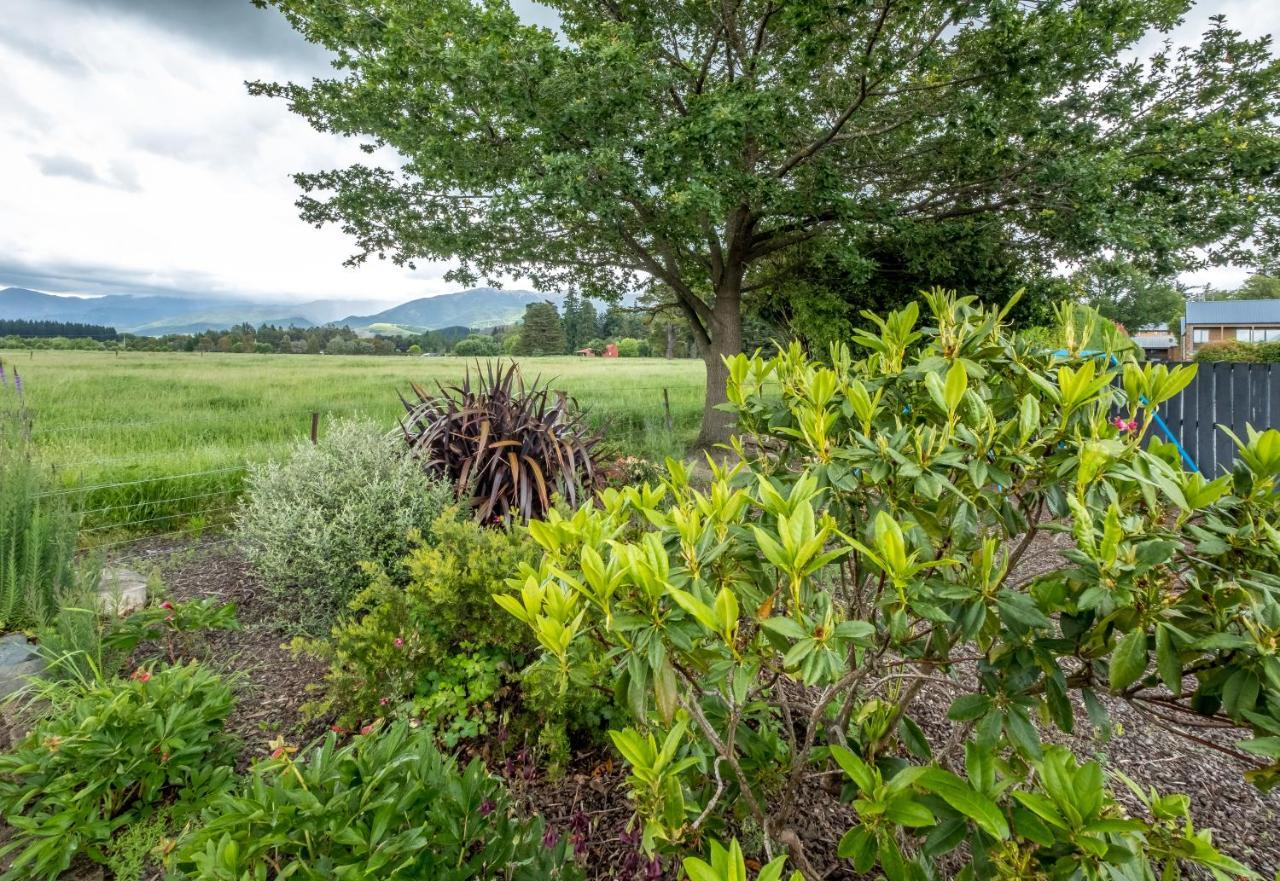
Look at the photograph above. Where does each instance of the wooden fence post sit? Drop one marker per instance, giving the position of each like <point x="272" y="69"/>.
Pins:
<point x="315" y="428"/>
<point x="666" y="406"/>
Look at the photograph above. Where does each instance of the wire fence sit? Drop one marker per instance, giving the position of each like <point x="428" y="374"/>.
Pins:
<point x="120" y="514"/>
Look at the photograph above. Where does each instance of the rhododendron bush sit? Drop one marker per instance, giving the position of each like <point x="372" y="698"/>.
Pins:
<point x="779" y="633"/>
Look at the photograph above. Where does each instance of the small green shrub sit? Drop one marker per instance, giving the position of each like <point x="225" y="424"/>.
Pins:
<point x="133" y="850"/>
<point x="1245" y="353"/>
<point x="1227" y="350"/>
<point x="310" y="520"/>
<point x="73" y="641"/>
<point x="37" y="542"/>
<point x="476" y="345"/>
<point x="173" y="624"/>
<point x="115" y="756"/>
<point x="385" y="806"/>
<point x="397" y="648"/>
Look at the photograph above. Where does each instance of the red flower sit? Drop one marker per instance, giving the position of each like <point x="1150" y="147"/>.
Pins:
<point x="141" y="676"/>
<point x="367" y="729"/>
<point x="277" y="752"/>
<point x="166" y="606"/>
<point x="337" y="729"/>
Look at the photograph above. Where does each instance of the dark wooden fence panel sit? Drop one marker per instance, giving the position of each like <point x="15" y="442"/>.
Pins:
<point x="1223" y="393"/>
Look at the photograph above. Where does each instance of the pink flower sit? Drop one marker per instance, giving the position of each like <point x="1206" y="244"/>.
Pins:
<point x="382" y="701"/>
<point x="337" y="729"/>
<point x="166" y="605"/>
<point x="399" y="642"/>
<point x="368" y="729"/>
<point x="141" y="676"/>
<point x="1125" y="424"/>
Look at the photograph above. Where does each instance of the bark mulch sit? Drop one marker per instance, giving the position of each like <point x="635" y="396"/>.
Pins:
<point x="588" y="802"/>
<point x="272" y="682"/>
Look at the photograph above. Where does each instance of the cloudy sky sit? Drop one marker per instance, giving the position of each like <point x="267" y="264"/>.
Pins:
<point x="134" y="161"/>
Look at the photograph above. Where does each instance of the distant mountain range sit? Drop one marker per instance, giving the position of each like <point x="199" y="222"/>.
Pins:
<point x="155" y="316"/>
<point x="478" y="307"/>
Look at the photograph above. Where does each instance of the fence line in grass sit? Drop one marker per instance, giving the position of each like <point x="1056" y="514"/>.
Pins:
<point x="87" y="489"/>
<point x="158" y="501"/>
<point x="132" y="523"/>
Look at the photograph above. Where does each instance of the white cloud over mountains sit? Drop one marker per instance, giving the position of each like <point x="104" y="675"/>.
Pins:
<point x="134" y="161"/>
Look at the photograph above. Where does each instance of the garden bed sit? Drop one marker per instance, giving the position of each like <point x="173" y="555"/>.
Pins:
<point x="589" y="800"/>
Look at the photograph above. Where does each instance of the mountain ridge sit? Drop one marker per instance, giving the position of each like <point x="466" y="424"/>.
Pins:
<point x="159" y="315"/>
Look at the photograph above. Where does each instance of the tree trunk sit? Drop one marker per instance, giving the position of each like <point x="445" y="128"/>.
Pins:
<point x="725" y="331"/>
<point x="671" y="341"/>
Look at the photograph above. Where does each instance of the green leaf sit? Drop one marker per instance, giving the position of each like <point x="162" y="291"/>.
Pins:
<point x="956" y="384"/>
<point x="1128" y="660"/>
<point x="858" y="770"/>
<point x="968" y="707"/>
<point x="1167" y="661"/>
<point x="787" y="627"/>
<point x="910" y="813"/>
<point x="965" y="799"/>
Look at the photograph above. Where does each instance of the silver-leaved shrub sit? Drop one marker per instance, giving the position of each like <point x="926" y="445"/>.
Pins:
<point x="310" y="520"/>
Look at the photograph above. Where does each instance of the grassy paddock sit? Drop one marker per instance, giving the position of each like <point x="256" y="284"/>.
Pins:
<point x="139" y="433"/>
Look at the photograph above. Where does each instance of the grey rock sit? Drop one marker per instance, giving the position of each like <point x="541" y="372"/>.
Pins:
<point x="123" y="591"/>
<point x="19" y="660"/>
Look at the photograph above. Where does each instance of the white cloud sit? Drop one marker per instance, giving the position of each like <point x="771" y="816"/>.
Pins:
<point x="134" y="159"/>
<point x="147" y="162"/>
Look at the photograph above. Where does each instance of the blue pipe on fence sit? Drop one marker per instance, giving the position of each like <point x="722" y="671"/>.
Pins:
<point x="1164" y="426"/>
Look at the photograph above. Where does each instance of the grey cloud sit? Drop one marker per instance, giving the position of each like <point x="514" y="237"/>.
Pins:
<point x="61" y="277"/>
<point x="121" y="176"/>
<point x="231" y="27"/>
<point x="45" y="53"/>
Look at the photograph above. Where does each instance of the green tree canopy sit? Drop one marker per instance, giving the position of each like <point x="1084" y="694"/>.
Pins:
<point x="580" y="323"/>
<point x="695" y="145"/>
<point x="476" y="345"/>
<point x="1129" y="296"/>
<point x="542" y="333"/>
<point x="1256" y="287"/>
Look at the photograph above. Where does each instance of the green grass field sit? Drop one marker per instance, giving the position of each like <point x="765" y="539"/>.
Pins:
<point x="155" y="442"/>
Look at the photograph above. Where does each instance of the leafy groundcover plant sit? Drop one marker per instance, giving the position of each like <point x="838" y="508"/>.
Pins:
<point x="123" y="750"/>
<point x="429" y="645"/>
<point x="310" y="521"/>
<point x="789" y="623"/>
<point x="434" y="648"/>
<point x="386" y="805"/>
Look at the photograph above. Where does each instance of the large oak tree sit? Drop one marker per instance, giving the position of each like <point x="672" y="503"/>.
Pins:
<point x="693" y="145"/>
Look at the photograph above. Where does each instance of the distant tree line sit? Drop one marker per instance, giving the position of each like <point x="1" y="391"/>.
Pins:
<point x="637" y="332"/>
<point x="546" y="330"/>
<point x="265" y="339"/>
<point x="45" y="329"/>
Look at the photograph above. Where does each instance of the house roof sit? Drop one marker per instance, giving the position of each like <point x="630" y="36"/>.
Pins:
<point x="1233" y="312"/>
